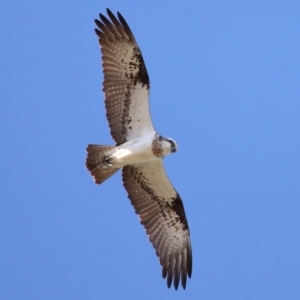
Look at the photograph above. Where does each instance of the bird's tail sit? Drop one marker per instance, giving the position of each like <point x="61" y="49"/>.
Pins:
<point x="95" y="162"/>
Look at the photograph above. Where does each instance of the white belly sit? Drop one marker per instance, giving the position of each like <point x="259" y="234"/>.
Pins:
<point x="135" y="151"/>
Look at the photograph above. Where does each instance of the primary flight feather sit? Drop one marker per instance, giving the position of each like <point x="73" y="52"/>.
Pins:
<point x="139" y="149"/>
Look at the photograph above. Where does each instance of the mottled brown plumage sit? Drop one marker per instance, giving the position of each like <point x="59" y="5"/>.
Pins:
<point x="156" y="146"/>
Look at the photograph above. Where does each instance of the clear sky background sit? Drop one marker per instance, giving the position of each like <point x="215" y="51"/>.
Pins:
<point x="225" y="84"/>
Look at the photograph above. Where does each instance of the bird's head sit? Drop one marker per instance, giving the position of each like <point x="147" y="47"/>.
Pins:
<point x="169" y="146"/>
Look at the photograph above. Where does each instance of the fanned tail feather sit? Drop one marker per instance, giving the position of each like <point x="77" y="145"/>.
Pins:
<point x="94" y="162"/>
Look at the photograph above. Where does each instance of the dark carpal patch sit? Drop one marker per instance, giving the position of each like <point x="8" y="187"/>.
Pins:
<point x="137" y="69"/>
<point x="177" y="206"/>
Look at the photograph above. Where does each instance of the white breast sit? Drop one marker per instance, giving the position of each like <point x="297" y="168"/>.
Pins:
<point x="135" y="151"/>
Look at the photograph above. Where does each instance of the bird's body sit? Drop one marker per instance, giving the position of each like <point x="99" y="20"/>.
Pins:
<point x="139" y="149"/>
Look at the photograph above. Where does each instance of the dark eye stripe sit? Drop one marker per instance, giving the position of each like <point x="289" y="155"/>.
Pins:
<point x="173" y="147"/>
<point x="173" y="144"/>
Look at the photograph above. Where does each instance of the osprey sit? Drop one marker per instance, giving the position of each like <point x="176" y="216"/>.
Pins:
<point x="139" y="150"/>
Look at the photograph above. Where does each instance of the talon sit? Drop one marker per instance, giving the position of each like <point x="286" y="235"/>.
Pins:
<point x="107" y="162"/>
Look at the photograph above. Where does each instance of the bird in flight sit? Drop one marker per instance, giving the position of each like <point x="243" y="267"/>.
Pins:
<point x="139" y="150"/>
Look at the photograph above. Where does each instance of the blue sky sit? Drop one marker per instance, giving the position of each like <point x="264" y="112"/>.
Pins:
<point x="224" y="84"/>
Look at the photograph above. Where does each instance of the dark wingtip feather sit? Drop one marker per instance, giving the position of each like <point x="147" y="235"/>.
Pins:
<point x="98" y="32"/>
<point x="126" y="27"/>
<point x="101" y="16"/>
<point x="110" y="14"/>
<point x="183" y="280"/>
<point x="106" y="21"/>
<point x="170" y="279"/>
<point x="176" y="285"/>
<point x="190" y="261"/>
<point x="121" y="18"/>
<point x="164" y="271"/>
<point x="97" y="23"/>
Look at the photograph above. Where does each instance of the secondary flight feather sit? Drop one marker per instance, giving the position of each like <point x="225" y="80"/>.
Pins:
<point x="139" y="149"/>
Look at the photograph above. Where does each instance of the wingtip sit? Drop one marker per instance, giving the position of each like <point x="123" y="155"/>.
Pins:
<point x="122" y="20"/>
<point x="109" y="12"/>
<point x="101" y="16"/>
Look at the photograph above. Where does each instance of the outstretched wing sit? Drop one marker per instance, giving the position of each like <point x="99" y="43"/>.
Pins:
<point x="126" y="83"/>
<point x="161" y="212"/>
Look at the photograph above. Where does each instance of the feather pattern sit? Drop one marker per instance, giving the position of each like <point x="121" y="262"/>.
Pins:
<point x="162" y="213"/>
<point x="126" y="82"/>
<point x="139" y="149"/>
